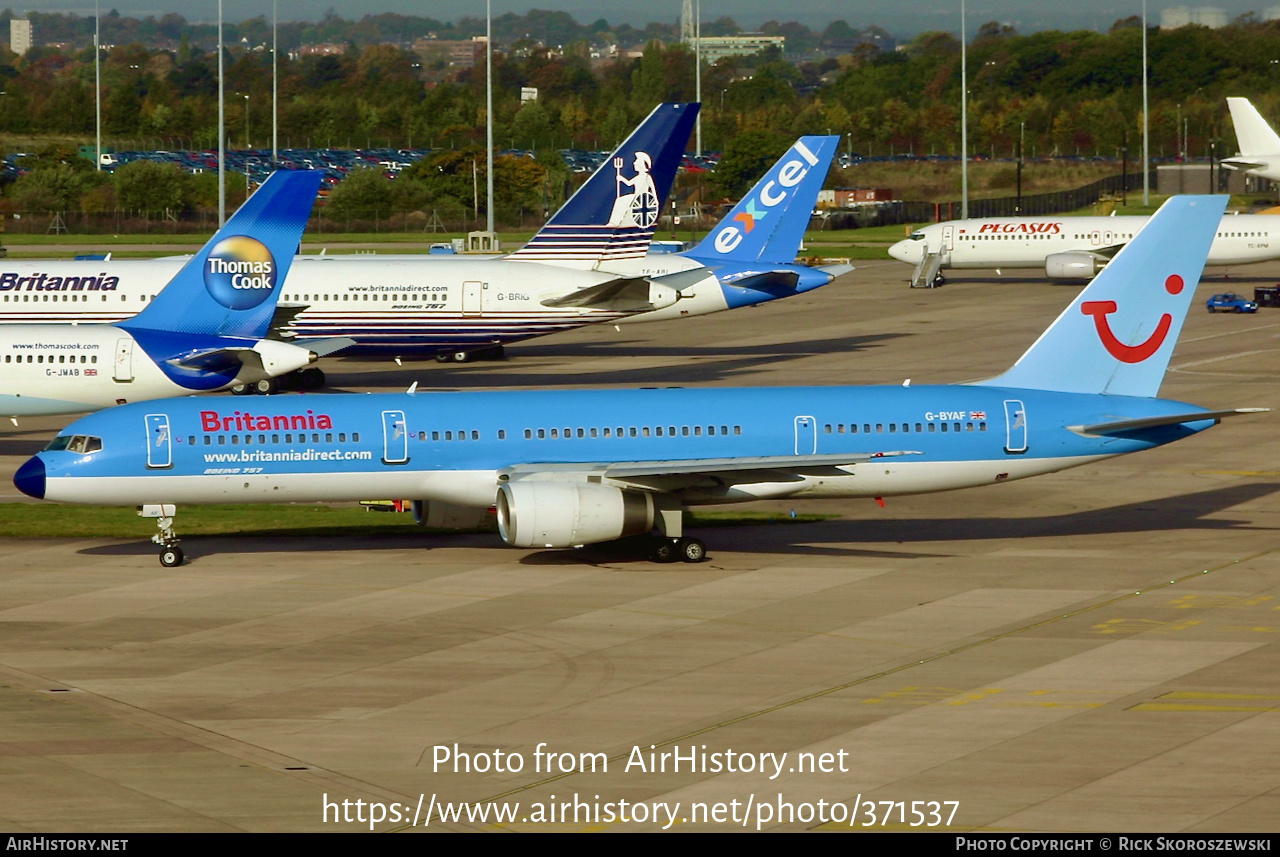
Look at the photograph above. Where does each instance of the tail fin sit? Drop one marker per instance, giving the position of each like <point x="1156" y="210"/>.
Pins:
<point x="768" y="224"/>
<point x="231" y="286"/>
<point x="1141" y="297"/>
<point x="614" y="214"/>
<point x="1253" y="134"/>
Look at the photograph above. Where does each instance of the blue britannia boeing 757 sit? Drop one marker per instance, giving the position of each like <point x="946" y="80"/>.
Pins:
<point x="204" y="331"/>
<point x="568" y="468"/>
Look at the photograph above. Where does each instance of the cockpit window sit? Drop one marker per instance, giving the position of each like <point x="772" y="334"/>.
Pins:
<point x="81" y="443"/>
<point x="917" y="236"/>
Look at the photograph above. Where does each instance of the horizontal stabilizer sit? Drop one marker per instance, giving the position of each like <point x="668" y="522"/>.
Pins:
<point x="615" y="294"/>
<point x="1126" y="426"/>
<point x="224" y="361"/>
<point x="629" y="294"/>
<point x="281" y="319"/>
<point x="764" y="281"/>
<point x="325" y="347"/>
<point x="834" y="271"/>
<point x="1241" y="164"/>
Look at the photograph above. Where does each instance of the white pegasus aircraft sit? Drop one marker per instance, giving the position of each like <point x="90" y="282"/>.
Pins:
<point x="1066" y="248"/>
<point x="1259" y="144"/>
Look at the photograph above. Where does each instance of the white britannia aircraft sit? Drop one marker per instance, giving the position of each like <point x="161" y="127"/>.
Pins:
<point x="1065" y="248"/>
<point x="1258" y="142"/>
<point x="566" y="468"/>
<point x="203" y="331"/>
<point x="587" y="265"/>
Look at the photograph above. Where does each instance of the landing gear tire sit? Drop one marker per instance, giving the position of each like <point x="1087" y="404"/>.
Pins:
<point x="171" y="557"/>
<point x="664" y="551"/>
<point x="240" y="390"/>
<point x="266" y="387"/>
<point x="311" y="379"/>
<point x="939" y="281"/>
<point x="461" y="357"/>
<point x="691" y="550"/>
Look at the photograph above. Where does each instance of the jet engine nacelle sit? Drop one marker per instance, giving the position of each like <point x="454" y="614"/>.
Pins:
<point x="568" y="514"/>
<point x="278" y="358"/>
<point x="1073" y="266"/>
<point x="449" y="516"/>
<point x="662" y="296"/>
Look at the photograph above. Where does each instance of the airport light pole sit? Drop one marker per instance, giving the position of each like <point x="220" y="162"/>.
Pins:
<point x="275" y="113"/>
<point x="488" y="110"/>
<point x="1146" y="170"/>
<point x="964" y="119"/>
<point x="97" y="77"/>
<point x="697" y="71"/>
<point x="222" y="131"/>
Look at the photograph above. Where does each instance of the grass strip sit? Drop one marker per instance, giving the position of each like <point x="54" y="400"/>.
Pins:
<point x="39" y="521"/>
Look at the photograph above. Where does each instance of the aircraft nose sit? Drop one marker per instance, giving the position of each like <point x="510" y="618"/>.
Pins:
<point x="30" y="478"/>
<point x="902" y="250"/>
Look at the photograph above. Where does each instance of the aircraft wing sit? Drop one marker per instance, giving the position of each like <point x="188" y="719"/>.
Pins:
<point x="737" y="469"/>
<point x="1124" y="426"/>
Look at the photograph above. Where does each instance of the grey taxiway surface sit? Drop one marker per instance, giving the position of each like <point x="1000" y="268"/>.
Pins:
<point x="1095" y="650"/>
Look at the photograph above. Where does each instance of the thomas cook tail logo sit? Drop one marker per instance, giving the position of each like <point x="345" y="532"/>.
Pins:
<point x="240" y="272"/>
<point x="1119" y="350"/>
<point x="640" y="207"/>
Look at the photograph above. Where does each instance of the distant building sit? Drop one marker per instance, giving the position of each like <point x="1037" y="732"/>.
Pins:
<point x="324" y="50"/>
<point x="1181" y="16"/>
<point x="456" y="53"/>
<point x="20" y="35"/>
<point x="715" y="48"/>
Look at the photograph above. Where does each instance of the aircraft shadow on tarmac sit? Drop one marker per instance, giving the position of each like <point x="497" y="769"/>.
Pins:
<point x="838" y="538"/>
<point x="696" y="365"/>
<point x="24" y="448"/>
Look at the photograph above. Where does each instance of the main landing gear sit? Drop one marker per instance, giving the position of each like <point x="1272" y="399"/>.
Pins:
<point x="170" y="554"/>
<point x="493" y="352"/>
<point x="672" y="544"/>
<point x="310" y="378"/>
<point x="683" y="549"/>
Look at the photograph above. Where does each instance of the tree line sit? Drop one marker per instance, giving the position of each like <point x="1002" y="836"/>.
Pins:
<point x="1063" y="93"/>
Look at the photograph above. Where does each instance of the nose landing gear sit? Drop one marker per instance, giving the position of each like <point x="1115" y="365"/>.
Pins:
<point x="170" y="554"/>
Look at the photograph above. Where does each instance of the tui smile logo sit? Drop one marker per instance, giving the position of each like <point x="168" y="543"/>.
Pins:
<point x="1119" y="350"/>
<point x="240" y="272"/>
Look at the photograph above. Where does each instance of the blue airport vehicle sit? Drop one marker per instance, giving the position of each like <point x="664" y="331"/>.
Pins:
<point x="1230" y="302"/>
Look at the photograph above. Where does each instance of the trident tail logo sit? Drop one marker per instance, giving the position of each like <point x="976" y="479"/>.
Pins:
<point x="640" y="207"/>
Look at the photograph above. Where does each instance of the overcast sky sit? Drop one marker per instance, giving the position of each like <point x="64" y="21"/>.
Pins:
<point x="901" y="19"/>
